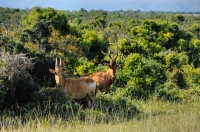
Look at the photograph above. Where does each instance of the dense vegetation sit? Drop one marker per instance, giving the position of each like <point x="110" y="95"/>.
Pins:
<point x="159" y="53"/>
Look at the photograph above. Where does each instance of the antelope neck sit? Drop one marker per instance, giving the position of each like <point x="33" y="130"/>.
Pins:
<point x="108" y="75"/>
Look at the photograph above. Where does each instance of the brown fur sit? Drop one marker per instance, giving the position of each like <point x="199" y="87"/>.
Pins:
<point x="75" y="88"/>
<point x="105" y="79"/>
<point x="78" y="88"/>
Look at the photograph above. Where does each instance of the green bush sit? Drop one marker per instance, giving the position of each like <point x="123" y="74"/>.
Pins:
<point x="175" y="60"/>
<point x="85" y="66"/>
<point x="177" y="76"/>
<point x="58" y="19"/>
<point x="142" y="75"/>
<point x="169" y="91"/>
<point x="191" y="75"/>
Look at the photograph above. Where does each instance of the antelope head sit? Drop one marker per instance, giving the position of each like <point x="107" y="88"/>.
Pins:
<point x="112" y="65"/>
<point x="57" y="72"/>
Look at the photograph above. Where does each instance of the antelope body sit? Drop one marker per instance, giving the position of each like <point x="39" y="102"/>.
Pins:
<point x="105" y="79"/>
<point x="75" y="88"/>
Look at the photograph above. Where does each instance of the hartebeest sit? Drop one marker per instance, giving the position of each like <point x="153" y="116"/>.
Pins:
<point x="75" y="88"/>
<point x="105" y="79"/>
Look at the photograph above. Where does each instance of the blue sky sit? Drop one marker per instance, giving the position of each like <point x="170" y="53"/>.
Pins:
<point x="109" y="5"/>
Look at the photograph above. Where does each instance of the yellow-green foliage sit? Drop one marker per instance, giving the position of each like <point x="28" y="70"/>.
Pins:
<point x="85" y="66"/>
<point x="192" y="75"/>
<point x="57" y="19"/>
<point x="175" y="60"/>
<point x="196" y="44"/>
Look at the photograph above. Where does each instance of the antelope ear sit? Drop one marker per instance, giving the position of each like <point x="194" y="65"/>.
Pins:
<point x="52" y="71"/>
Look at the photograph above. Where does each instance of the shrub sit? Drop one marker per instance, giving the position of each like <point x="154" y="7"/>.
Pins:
<point x="142" y="75"/>
<point x="169" y="91"/>
<point x="175" y="60"/>
<point x="85" y="67"/>
<point x="177" y="76"/>
<point x="16" y="81"/>
<point x="58" y="19"/>
<point x="191" y="75"/>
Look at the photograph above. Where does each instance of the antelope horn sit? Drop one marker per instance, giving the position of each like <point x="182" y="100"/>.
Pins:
<point x="56" y="62"/>
<point x="109" y="54"/>
<point x="60" y="62"/>
<point x="116" y="56"/>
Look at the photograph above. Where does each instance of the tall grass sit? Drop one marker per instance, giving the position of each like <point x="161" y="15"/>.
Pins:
<point x="162" y="116"/>
<point x="157" y="116"/>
